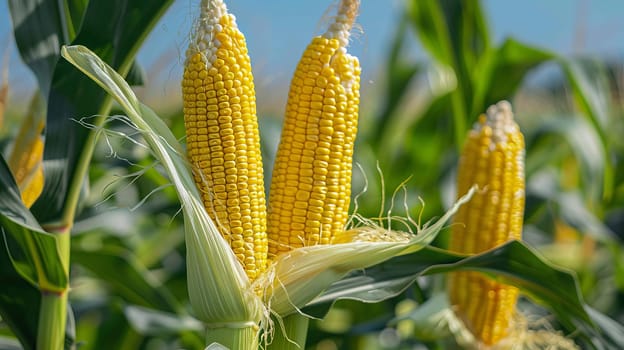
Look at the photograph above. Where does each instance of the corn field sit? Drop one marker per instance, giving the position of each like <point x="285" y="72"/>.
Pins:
<point x="448" y="205"/>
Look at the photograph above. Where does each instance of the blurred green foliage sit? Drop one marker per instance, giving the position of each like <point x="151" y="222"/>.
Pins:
<point x="128" y="277"/>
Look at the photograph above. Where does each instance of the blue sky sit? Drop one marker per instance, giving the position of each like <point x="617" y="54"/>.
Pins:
<point x="278" y="30"/>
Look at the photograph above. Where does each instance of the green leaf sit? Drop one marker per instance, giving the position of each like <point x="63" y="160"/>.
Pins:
<point x="29" y="260"/>
<point x="38" y="260"/>
<point x="114" y="330"/>
<point x="74" y="13"/>
<point x="19" y="302"/>
<point x="579" y="135"/>
<point x="432" y="30"/>
<point x="468" y="31"/>
<point x="136" y="75"/>
<point x="120" y="268"/>
<point x="613" y="332"/>
<point x="39" y="33"/>
<point x="432" y="320"/>
<point x="501" y="72"/>
<point x="399" y="75"/>
<point x="591" y="92"/>
<point x="9" y="344"/>
<point x="37" y="256"/>
<point x="516" y="264"/>
<point x="152" y="322"/>
<point x="382" y="281"/>
<point x="569" y="205"/>
<point x="438" y="26"/>
<point x="512" y="263"/>
<point x="591" y="86"/>
<point x="456" y="34"/>
<point x="115" y="30"/>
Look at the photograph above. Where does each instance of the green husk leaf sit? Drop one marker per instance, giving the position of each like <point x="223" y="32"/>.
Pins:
<point x="299" y="276"/>
<point x="381" y="282"/>
<point x="212" y="266"/>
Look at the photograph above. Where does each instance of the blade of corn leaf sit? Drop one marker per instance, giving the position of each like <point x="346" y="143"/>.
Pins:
<point x="212" y="266"/>
<point x="39" y="48"/>
<point x="583" y="141"/>
<point x="400" y="75"/>
<point x="37" y="259"/>
<point x="456" y="34"/>
<point x="19" y="302"/>
<point x="519" y="266"/>
<point x="513" y="262"/>
<point x="612" y="331"/>
<point x="502" y="70"/>
<point x="152" y="322"/>
<point x="569" y="205"/>
<point x="516" y="264"/>
<point x="121" y="269"/>
<point x="591" y="92"/>
<point x="433" y="320"/>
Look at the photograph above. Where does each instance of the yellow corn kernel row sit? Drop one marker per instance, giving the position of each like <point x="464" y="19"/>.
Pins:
<point x="311" y="183"/>
<point x="25" y="160"/>
<point x="492" y="159"/>
<point x="222" y="136"/>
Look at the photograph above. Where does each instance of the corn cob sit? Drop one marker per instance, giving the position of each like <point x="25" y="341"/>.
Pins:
<point x="222" y="136"/>
<point x="25" y="160"/>
<point x="311" y="182"/>
<point x="492" y="159"/>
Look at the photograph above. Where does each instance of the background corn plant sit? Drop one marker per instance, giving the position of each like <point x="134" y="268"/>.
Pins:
<point x="128" y="274"/>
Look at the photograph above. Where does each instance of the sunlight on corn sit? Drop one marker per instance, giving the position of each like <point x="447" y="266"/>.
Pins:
<point x="493" y="160"/>
<point x="26" y="158"/>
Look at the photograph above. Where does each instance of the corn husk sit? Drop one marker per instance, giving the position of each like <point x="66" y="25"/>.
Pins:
<point x="297" y="277"/>
<point x="219" y="290"/>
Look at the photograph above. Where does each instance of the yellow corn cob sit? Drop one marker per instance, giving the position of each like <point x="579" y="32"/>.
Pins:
<point x="492" y="159"/>
<point x="27" y="154"/>
<point x="222" y="136"/>
<point x="311" y="184"/>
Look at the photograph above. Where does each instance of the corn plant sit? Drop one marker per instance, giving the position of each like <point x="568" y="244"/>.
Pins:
<point x="43" y="232"/>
